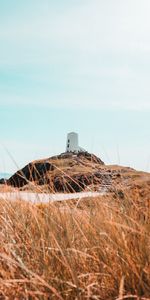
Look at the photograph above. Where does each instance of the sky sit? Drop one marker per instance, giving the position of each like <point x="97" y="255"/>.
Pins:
<point x="75" y="65"/>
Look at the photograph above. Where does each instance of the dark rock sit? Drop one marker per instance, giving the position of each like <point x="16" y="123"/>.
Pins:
<point x="120" y="193"/>
<point x="30" y="173"/>
<point x="3" y="181"/>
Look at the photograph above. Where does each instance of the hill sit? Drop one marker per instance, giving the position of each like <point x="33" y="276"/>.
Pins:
<point x="70" y="172"/>
<point x="65" y="172"/>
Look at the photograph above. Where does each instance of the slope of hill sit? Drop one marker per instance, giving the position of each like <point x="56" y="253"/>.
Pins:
<point x="69" y="172"/>
<point x="65" y="172"/>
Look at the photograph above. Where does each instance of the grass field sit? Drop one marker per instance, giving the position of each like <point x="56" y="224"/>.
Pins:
<point x="92" y="249"/>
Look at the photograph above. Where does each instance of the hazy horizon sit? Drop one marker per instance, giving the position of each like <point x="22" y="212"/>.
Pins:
<point x="78" y="66"/>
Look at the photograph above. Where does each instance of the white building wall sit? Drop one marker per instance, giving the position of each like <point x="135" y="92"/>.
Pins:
<point x="72" y="142"/>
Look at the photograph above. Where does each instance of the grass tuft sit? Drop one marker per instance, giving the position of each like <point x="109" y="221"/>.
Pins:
<point x="98" y="249"/>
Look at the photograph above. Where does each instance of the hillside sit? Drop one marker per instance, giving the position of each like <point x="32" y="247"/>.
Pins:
<point x="65" y="172"/>
<point x="69" y="172"/>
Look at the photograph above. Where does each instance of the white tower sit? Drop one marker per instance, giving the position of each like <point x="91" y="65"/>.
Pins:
<point x="72" y="142"/>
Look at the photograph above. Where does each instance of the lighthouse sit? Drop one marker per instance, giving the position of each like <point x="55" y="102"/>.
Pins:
<point x="72" y="144"/>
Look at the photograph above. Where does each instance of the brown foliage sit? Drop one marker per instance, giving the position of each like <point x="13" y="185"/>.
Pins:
<point x="98" y="249"/>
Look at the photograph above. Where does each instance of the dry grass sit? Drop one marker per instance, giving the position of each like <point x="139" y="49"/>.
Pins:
<point x="98" y="249"/>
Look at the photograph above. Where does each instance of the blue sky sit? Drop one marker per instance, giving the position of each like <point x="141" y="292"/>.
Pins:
<point x="75" y="66"/>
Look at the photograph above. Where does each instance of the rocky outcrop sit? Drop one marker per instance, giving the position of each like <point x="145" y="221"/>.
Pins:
<point x="30" y="173"/>
<point x="70" y="172"/>
<point x="67" y="172"/>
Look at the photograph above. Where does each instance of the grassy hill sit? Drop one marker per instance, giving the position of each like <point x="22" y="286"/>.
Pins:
<point x="70" y="172"/>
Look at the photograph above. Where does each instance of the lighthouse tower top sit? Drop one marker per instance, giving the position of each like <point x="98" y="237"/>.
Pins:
<point x="72" y="142"/>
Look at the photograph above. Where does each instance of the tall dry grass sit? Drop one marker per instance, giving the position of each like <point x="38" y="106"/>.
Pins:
<point x="98" y="249"/>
